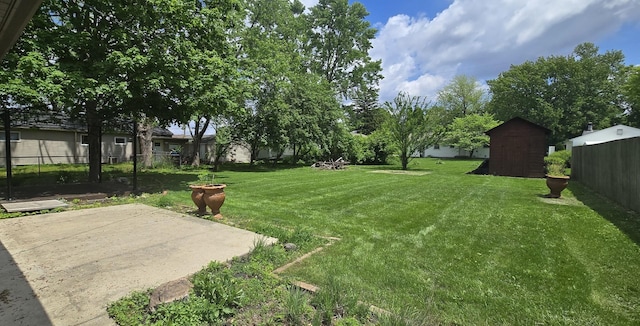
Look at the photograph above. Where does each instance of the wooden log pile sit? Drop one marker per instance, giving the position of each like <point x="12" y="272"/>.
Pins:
<point x="338" y="164"/>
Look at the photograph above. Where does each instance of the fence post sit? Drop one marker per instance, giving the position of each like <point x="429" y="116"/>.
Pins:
<point x="7" y="147"/>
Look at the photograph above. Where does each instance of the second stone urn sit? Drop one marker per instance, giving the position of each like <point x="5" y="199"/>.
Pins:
<point x="208" y="195"/>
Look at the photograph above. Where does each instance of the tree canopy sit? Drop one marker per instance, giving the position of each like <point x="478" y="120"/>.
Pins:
<point x="468" y="132"/>
<point x="632" y="93"/>
<point x="563" y="93"/>
<point x="413" y="125"/>
<point x="462" y="96"/>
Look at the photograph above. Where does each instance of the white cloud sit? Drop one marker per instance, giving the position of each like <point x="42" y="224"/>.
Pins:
<point x="482" y="38"/>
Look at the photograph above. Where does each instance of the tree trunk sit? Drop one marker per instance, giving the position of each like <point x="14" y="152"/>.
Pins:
<point x="220" y="150"/>
<point x="200" y="129"/>
<point x="94" y="137"/>
<point x="255" y="150"/>
<point x="404" y="160"/>
<point x="145" y="134"/>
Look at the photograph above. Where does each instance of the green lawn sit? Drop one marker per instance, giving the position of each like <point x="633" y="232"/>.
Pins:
<point x="441" y="245"/>
<point x="467" y="249"/>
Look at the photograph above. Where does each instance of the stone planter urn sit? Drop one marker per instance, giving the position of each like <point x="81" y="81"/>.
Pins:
<point x="556" y="184"/>
<point x="208" y="195"/>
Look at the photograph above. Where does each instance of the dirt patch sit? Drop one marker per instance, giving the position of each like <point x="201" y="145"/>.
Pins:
<point x="561" y="201"/>
<point x="82" y="191"/>
<point x="402" y="172"/>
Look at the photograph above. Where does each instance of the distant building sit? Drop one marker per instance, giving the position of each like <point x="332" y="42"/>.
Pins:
<point x="448" y="151"/>
<point x="59" y="140"/>
<point x="590" y="136"/>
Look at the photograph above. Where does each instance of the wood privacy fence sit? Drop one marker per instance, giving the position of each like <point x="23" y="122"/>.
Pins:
<point x="612" y="169"/>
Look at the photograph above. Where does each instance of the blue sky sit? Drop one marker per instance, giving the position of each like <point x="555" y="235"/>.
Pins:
<point x="425" y="43"/>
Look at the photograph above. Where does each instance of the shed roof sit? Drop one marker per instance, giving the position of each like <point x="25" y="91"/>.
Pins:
<point x="546" y="131"/>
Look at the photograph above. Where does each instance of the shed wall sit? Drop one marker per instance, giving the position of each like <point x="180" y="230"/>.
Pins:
<point x="517" y="150"/>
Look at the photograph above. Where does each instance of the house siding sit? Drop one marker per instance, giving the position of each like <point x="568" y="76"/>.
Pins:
<point x="517" y="149"/>
<point x="37" y="146"/>
<point x="446" y="151"/>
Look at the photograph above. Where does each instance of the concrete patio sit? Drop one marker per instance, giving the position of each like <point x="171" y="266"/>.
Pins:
<point x="65" y="268"/>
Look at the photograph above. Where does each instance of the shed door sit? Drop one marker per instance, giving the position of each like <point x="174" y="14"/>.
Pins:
<point x="516" y="155"/>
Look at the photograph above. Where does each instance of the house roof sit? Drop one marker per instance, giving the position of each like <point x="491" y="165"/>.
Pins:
<point x="14" y="17"/>
<point x="546" y="131"/>
<point x="63" y="122"/>
<point x="605" y="135"/>
<point x="162" y="132"/>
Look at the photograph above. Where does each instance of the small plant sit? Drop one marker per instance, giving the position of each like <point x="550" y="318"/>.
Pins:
<point x="191" y="311"/>
<point x="556" y="169"/>
<point x="220" y="289"/>
<point x="336" y="300"/>
<point x="164" y="201"/>
<point x="349" y="321"/>
<point x="267" y="254"/>
<point x="131" y="310"/>
<point x="295" y="306"/>
<point x="206" y="178"/>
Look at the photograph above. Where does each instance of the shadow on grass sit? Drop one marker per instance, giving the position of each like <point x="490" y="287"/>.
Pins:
<point x="240" y="167"/>
<point x="625" y="220"/>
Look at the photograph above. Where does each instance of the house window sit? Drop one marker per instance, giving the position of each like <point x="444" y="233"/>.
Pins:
<point x="84" y="140"/>
<point x="14" y="136"/>
<point x="436" y="146"/>
<point x="121" y="141"/>
<point x="156" y="144"/>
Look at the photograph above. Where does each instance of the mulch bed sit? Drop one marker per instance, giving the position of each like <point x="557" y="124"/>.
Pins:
<point x="82" y="191"/>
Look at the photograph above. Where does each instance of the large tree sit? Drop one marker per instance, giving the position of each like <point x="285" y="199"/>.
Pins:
<point x="211" y="81"/>
<point x="414" y="125"/>
<point x="632" y="93"/>
<point x="462" y="96"/>
<point x="563" y="93"/>
<point x="269" y="56"/>
<point x="339" y="39"/>
<point x="153" y="61"/>
<point x="290" y="106"/>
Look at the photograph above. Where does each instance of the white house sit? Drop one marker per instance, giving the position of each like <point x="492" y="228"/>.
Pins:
<point x="446" y="151"/>
<point x="67" y="143"/>
<point x="603" y="136"/>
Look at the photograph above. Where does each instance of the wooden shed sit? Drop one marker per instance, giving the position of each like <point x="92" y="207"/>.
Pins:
<point x="517" y="149"/>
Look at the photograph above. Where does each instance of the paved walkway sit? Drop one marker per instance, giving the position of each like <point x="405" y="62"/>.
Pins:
<point x="65" y="268"/>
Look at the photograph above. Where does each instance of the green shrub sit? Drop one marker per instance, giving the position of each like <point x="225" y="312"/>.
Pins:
<point x="130" y="310"/>
<point x="563" y="157"/>
<point x="191" y="311"/>
<point x="220" y="289"/>
<point x="378" y="147"/>
<point x="164" y="201"/>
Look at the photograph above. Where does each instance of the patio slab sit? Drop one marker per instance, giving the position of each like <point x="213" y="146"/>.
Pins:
<point x="65" y="268"/>
<point x="32" y="206"/>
